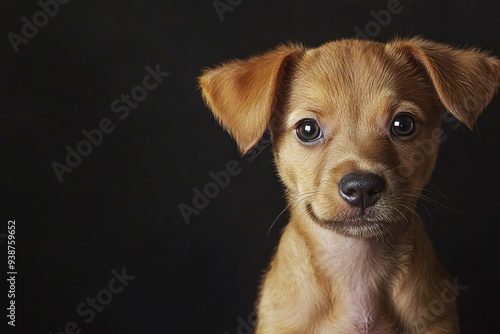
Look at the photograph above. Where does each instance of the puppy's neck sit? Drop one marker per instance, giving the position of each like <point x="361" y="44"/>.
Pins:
<point x="359" y="273"/>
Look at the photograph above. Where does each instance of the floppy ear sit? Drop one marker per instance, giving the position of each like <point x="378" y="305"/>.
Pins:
<point x="242" y="93"/>
<point x="465" y="80"/>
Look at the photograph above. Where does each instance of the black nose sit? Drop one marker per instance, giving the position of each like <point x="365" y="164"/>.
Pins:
<point x="361" y="189"/>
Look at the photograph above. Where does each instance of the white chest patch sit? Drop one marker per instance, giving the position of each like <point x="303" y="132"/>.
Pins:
<point x="354" y="266"/>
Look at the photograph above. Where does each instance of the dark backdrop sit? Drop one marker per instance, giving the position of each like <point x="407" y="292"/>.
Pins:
<point x="116" y="214"/>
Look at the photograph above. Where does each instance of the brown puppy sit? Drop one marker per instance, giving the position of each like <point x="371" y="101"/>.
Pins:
<point x="356" y="130"/>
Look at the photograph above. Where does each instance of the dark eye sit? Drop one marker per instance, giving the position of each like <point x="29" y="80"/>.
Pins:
<point x="308" y="131"/>
<point x="403" y="125"/>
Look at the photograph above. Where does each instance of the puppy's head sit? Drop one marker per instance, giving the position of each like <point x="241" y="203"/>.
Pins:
<point x="355" y="124"/>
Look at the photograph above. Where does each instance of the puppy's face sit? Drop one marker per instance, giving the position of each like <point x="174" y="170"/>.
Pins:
<point x="359" y="137"/>
<point x="355" y="124"/>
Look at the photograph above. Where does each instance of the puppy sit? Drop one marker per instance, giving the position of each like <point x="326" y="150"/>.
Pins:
<point x="356" y="128"/>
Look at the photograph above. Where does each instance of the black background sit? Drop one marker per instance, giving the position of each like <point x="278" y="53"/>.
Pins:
<point x="119" y="207"/>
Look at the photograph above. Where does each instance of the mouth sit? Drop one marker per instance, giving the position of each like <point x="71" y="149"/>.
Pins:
<point x="363" y="225"/>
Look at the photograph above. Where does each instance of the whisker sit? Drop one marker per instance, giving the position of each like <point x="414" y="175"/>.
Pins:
<point x="259" y="152"/>
<point x="281" y="213"/>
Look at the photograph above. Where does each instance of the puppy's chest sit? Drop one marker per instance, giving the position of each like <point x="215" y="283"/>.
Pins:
<point x="358" y="310"/>
<point x="355" y="271"/>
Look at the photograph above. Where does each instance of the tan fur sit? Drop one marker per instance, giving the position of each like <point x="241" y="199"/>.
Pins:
<point x="338" y="269"/>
